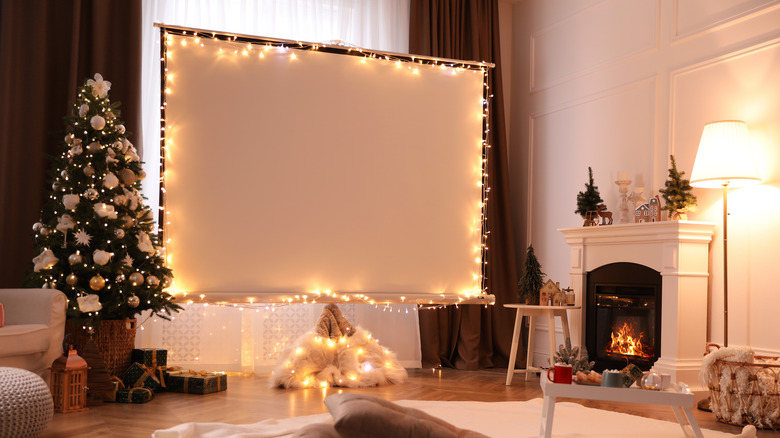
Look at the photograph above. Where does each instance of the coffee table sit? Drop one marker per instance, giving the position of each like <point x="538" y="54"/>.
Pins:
<point x="681" y="401"/>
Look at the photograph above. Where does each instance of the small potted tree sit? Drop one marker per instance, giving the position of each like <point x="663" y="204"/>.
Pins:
<point x="678" y="194"/>
<point x="531" y="279"/>
<point x="588" y="201"/>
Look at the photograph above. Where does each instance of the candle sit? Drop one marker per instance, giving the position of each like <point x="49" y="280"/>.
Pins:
<point x="623" y="175"/>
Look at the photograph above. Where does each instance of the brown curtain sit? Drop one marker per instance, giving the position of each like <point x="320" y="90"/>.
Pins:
<point x="47" y="49"/>
<point x="472" y="336"/>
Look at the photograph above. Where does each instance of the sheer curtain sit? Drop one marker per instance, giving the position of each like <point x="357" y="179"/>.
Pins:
<point x="251" y="339"/>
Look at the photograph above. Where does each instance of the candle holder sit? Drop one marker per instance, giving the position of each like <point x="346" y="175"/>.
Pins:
<point x="623" y="210"/>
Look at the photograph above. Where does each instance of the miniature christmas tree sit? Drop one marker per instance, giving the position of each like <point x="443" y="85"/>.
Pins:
<point x="567" y="354"/>
<point x="94" y="240"/>
<point x="589" y="200"/>
<point x="532" y="278"/>
<point x="677" y="194"/>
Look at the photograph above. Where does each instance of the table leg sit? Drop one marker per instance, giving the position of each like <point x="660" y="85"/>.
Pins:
<point x="565" y="323"/>
<point x="513" y="352"/>
<point x="551" y="330"/>
<point x="548" y="411"/>
<point x="692" y="421"/>
<point x="529" y="355"/>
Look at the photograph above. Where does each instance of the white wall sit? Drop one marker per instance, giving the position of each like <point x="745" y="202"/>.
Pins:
<point x="621" y="85"/>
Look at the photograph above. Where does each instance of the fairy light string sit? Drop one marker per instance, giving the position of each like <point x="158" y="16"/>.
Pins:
<point x="174" y="38"/>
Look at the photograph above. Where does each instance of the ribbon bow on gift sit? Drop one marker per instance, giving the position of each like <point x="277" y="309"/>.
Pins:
<point x="150" y="372"/>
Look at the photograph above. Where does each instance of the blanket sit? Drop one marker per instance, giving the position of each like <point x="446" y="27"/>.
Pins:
<point x="494" y="419"/>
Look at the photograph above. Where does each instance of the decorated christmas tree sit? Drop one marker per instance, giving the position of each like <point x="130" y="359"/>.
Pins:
<point x="589" y="200"/>
<point x="95" y="240"/>
<point x="531" y="279"/>
<point x="678" y="193"/>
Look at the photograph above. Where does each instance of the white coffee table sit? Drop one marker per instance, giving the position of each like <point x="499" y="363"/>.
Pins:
<point x="681" y="402"/>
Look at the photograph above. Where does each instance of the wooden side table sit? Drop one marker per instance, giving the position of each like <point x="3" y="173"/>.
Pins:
<point x="680" y="401"/>
<point x="531" y="311"/>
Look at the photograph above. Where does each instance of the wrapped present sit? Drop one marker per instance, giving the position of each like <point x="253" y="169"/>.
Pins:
<point x="143" y="376"/>
<point x="150" y="357"/>
<point x="196" y="382"/>
<point x="134" y="395"/>
<point x="631" y="373"/>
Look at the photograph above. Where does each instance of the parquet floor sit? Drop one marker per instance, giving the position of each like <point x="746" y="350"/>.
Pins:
<point x="249" y="399"/>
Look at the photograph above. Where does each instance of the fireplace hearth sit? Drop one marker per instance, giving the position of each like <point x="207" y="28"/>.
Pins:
<point x="623" y="316"/>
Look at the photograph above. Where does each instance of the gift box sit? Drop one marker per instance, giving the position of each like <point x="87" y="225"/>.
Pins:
<point x="134" y="395"/>
<point x="150" y="357"/>
<point x="195" y="382"/>
<point x="142" y="376"/>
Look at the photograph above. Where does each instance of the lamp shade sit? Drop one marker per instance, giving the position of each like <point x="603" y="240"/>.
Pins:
<point x="725" y="156"/>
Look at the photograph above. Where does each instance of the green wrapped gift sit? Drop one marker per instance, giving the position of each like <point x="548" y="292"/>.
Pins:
<point x="139" y="376"/>
<point x="150" y="357"/>
<point x="134" y="395"/>
<point x="195" y="382"/>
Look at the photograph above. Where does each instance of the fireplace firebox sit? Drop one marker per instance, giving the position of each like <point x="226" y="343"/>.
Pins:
<point x="623" y="316"/>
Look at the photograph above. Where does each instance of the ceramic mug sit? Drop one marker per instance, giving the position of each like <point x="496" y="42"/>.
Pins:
<point x="561" y="373"/>
<point x="612" y="379"/>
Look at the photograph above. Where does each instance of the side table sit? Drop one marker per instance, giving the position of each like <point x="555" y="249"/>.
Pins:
<point x="681" y="401"/>
<point x="531" y="311"/>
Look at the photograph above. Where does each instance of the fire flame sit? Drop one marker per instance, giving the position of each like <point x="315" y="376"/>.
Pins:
<point x="625" y="341"/>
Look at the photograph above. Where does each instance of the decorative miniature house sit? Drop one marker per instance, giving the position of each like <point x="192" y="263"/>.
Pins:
<point x="547" y="293"/>
<point x="649" y="211"/>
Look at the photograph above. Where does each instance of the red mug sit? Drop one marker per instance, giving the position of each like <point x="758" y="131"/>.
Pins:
<point x="561" y="373"/>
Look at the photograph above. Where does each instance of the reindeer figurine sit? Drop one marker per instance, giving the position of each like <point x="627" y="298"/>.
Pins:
<point x="606" y="216"/>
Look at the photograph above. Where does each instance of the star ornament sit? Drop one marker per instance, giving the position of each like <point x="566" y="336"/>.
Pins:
<point x="83" y="238"/>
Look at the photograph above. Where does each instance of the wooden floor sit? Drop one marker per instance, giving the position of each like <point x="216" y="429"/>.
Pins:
<point x="249" y="399"/>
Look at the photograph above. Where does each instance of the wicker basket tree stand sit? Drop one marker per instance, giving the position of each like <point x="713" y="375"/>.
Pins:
<point x="114" y="338"/>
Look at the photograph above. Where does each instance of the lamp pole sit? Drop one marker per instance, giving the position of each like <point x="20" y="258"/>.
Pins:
<point x="725" y="265"/>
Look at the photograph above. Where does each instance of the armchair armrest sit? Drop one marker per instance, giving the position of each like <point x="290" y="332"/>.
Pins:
<point x="33" y="306"/>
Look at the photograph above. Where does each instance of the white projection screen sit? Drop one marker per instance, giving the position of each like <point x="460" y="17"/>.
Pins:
<point x="295" y="174"/>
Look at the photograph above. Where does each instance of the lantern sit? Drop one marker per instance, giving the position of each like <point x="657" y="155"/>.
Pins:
<point x="69" y="382"/>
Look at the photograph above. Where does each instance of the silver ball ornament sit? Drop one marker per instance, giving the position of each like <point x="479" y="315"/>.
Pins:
<point x="152" y="281"/>
<point x="75" y="259"/>
<point x="133" y="301"/>
<point x="119" y="233"/>
<point x="136" y="278"/>
<point x="37" y="226"/>
<point x="127" y="221"/>
<point x="71" y="279"/>
<point x="64" y="173"/>
<point x="45" y="231"/>
<point x="89" y="170"/>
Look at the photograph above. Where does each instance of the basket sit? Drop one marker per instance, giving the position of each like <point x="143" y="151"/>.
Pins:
<point x="115" y="340"/>
<point x="743" y="393"/>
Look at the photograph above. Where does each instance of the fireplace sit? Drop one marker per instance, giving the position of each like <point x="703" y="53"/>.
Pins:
<point x="623" y="316"/>
<point x="678" y="251"/>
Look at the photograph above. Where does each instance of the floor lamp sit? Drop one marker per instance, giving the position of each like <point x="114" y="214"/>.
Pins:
<point x="725" y="159"/>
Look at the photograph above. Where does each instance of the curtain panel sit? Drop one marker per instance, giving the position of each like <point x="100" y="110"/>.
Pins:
<point x="473" y="337"/>
<point x="47" y="49"/>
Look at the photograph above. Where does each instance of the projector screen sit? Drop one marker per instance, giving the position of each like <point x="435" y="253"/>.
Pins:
<point x="293" y="174"/>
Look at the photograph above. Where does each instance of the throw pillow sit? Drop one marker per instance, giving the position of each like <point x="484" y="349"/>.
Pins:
<point x="359" y="415"/>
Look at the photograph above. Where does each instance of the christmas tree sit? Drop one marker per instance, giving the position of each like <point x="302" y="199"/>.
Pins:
<point x="677" y="194"/>
<point x="95" y="238"/>
<point x="589" y="200"/>
<point x="532" y="278"/>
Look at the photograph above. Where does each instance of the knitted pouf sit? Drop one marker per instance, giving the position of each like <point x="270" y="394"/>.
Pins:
<point x="26" y="406"/>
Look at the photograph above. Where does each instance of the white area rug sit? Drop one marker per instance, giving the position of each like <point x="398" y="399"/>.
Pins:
<point x="494" y="419"/>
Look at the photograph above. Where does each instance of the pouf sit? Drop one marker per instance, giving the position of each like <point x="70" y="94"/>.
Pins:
<point x="26" y="406"/>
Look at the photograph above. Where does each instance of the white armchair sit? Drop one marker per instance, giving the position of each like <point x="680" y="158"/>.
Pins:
<point x="34" y="329"/>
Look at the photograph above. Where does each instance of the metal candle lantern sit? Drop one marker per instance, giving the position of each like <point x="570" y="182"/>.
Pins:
<point x="69" y="382"/>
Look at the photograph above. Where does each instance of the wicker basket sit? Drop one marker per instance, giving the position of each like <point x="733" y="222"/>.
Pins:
<point x="115" y="340"/>
<point x="743" y="393"/>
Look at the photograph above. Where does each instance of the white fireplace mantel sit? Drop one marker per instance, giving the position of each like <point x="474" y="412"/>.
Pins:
<point x="679" y="250"/>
